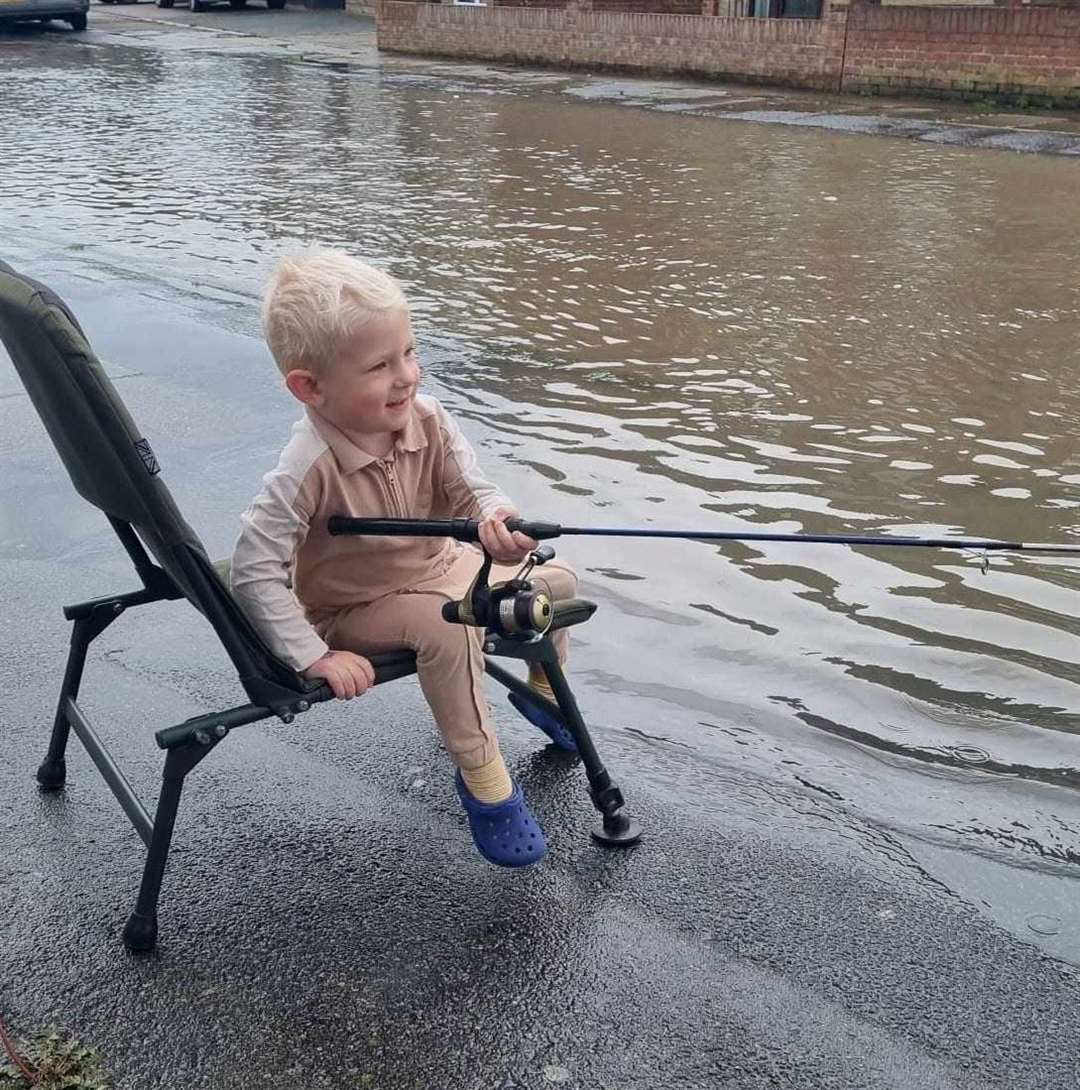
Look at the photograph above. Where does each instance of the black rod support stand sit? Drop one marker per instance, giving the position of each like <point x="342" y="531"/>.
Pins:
<point x="617" y="829"/>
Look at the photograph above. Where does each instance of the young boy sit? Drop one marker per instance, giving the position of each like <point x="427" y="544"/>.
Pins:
<point x="369" y="445"/>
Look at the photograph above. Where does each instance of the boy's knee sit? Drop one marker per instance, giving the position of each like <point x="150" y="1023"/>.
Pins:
<point x="560" y="579"/>
<point x="442" y="639"/>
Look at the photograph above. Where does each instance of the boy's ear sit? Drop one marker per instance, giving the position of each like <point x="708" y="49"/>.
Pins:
<point x="304" y="386"/>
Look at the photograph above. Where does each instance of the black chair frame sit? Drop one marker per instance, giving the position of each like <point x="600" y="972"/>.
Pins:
<point x="114" y="468"/>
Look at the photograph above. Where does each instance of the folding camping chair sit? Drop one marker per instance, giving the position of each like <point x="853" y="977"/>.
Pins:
<point x="113" y="467"/>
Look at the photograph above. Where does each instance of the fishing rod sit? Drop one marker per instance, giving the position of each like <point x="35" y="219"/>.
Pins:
<point x="469" y="530"/>
<point x="516" y="610"/>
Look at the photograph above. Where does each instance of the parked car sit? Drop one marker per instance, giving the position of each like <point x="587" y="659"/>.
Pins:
<point x="203" y="5"/>
<point x="21" y="11"/>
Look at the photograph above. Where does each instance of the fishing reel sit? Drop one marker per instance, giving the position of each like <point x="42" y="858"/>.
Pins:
<point x="513" y="609"/>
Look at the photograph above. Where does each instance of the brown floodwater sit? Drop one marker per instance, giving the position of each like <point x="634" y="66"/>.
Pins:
<point x="648" y="319"/>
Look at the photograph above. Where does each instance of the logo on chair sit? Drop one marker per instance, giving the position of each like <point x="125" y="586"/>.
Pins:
<point x="147" y="455"/>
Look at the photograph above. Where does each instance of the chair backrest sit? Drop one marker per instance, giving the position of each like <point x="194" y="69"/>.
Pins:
<point x="112" y="466"/>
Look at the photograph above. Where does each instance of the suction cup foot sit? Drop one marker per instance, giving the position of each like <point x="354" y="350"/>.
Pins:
<point x="617" y="831"/>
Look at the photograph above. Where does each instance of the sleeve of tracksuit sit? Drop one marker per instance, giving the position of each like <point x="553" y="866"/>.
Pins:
<point x="469" y="493"/>
<point x="274" y="528"/>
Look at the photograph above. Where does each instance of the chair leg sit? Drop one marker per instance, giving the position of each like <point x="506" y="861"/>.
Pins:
<point x="140" y="932"/>
<point x="53" y="770"/>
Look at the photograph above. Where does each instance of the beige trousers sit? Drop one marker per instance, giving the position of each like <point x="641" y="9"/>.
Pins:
<point x="449" y="657"/>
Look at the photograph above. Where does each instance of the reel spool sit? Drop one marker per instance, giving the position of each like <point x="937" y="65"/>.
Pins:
<point x="513" y="609"/>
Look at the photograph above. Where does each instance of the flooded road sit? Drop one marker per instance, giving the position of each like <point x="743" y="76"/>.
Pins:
<point x="651" y="319"/>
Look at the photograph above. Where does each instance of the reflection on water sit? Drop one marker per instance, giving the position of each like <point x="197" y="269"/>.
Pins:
<point x="671" y="321"/>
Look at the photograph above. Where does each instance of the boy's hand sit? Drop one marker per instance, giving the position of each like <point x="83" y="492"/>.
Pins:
<point x="505" y="547"/>
<point x="347" y="674"/>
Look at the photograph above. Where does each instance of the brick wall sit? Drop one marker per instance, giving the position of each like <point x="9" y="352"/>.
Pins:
<point x="1004" y="52"/>
<point x="654" y="7"/>
<point x="794" y="52"/>
<point x="529" y="3"/>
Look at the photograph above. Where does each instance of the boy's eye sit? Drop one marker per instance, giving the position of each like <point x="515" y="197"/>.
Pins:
<point x="379" y="366"/>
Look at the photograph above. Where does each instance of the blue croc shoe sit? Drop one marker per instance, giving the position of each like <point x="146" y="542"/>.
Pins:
<point x="506" y="833"/>
<point x="543" y="719"/>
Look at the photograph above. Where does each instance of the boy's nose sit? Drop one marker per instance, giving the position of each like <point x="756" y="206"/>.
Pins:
<point x="408" y="373"/>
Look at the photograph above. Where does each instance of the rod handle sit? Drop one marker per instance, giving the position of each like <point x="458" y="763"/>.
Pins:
<point x="538" y="531"/>
<point x="461" y="529"/>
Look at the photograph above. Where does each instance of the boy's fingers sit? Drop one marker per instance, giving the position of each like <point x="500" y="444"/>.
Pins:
<point x="505" y="546"/>
<point x="363" y="675"/>
<point x="496" y="539"/>
<point x="348" y="685"/>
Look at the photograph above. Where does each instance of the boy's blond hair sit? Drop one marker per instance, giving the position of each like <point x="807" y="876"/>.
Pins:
<point x="316" y="302"/>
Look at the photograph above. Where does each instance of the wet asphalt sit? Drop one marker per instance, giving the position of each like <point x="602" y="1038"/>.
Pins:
<point x="325" y="921"/>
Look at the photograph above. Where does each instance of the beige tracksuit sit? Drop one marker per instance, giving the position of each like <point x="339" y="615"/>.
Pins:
<point x="372" y="594"/>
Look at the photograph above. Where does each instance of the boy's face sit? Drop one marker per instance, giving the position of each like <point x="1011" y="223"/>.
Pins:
<point x="371" y="386"/>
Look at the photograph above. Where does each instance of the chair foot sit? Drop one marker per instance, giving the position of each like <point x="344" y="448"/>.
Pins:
<point x="52" y="774"/>
<point x="617" y="831"/>
<point x="140" y="933"/>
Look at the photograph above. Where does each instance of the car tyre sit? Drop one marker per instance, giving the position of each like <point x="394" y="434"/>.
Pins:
<point x="275" y="5"/>
<point x="78" y="22"/>
<point x="236" y="5"/>
<point x="165" y="3"/>
<point x="197" y="6"/>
